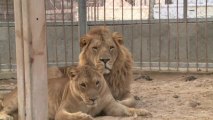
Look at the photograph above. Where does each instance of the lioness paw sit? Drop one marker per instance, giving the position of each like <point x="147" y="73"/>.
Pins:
<point x="84" y="116"/>
<point x="5" y="117"/>
<point x="139" y="112"/>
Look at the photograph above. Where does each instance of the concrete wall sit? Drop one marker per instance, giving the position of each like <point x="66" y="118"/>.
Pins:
<point x="134" y="39"/>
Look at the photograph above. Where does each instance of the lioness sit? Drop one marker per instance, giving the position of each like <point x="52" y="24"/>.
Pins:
<point x="83" y="95"/>
<point x="105" y="50"/>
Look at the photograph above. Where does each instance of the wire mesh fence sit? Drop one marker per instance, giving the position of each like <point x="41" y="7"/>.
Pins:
<point x="161" y="34"/>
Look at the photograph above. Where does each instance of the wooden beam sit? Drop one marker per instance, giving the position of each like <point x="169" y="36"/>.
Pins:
<point x="19" y="59"/>
<point x="31" y="59"/>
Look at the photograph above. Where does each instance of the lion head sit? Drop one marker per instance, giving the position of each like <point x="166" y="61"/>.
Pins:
<point x="100" y="48"/>
<point x="86" y="83"/>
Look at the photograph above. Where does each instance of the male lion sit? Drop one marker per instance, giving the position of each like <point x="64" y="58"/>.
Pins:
<point x="83" y="95"/>
<point x="105" y="51"/>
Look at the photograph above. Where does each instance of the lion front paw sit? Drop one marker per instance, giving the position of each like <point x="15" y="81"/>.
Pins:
<point x="140" y="112"/>
<point x="84" y="116"/>
<point x="5" y="117"/>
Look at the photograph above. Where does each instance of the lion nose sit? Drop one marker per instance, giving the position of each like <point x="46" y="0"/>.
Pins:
<point x="93" y="99"/>
<point x="105" y="60"/>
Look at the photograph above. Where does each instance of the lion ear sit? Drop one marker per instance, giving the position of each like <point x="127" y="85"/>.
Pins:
<point x="117" y="37"/>
<point x="72" y="72"/>
<point x="85" y="40"/>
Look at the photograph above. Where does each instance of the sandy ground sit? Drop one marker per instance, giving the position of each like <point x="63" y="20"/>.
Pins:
<point x="170" y="96"/>
<point x="174" y="96"/>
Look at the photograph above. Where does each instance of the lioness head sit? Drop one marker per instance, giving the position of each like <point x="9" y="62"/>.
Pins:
<point x="86" y="83"/>
<point x="100" y="48"/>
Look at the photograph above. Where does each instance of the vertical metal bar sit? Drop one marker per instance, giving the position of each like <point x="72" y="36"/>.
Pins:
<point x="87" y="13"/>
<point x="132" y="42"/>
<point x="196" y="37"/>
<point x="186" y="24"/>
<point x="56" y="40"/>
<point x="82" y="17"/>
<point x="64" y="34"/>
<point x="206" y="36"/>
<point x="104" y="12"/>
<point x="91" y="13"/>
<point x="95" y="11"/>
<point x="178" y="41"/>
<point x="72" y="35"/>
<point x="168" y="19"/>
<point x="149" y="40"/>
<point x="113" y="14"/>
<point x="98" y="9"/>
<point x="92" y="16"/>
<point x="141" y="28"/>
<point x="48" y="55"/>
<point x="185" y="5"/>
<point x="122" y="15"/>
<point x="160" y="35"/>
<point x="8" y="32"/>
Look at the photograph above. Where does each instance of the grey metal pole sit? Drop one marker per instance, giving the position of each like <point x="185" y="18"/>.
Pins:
<point x="185" y="9"/>
<point x="82" y="17"/>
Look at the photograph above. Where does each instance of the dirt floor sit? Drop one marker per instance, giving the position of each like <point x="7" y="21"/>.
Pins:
<point x="169" y="96"/>
<point x="173" y="96"/>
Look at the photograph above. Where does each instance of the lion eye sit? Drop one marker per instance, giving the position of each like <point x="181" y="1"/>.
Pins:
<point x="111" y="47"/>
<point x="97" y="83"/>
<point x="83" y="85"/>
<point x="94" y="48"/>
